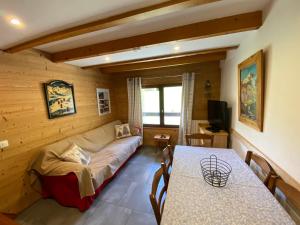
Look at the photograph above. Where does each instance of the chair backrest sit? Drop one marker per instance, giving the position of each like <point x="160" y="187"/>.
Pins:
<point x="201" y="137"/>
<point x="167" y="161"/>
<point x="262" y="163"/>
<point x="291" y="193"/>
<point x="168" y="153"/>
<point x="158" y="202"/>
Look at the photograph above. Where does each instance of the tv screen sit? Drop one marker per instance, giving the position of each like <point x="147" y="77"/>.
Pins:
<point x="217" y="115"/>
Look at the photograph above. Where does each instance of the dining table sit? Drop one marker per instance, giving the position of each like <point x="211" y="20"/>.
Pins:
<point x="245" y="200"/>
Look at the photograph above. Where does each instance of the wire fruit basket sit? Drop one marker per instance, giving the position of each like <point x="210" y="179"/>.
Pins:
<point x="215" y="171"/>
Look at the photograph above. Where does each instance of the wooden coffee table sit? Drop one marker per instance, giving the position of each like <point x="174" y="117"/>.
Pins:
<point x="162" y="140"/>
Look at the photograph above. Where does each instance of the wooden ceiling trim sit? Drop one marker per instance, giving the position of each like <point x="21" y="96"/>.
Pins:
<point x="162" y="57"/>
<point x="210" y="28"/>
<point x="124" y="18"/>
<point x="159" y="63"/>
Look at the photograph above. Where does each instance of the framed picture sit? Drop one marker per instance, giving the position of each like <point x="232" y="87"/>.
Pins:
<point x="60" y="98"/>
<point x="103" y="100"/>
<point x="251" y="91"/>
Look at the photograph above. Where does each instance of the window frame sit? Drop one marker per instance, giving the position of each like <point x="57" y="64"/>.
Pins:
<point x="161" y="105"/>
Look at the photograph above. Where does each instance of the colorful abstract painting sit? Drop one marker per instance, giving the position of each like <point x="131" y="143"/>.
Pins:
<point x="60" y="99"/>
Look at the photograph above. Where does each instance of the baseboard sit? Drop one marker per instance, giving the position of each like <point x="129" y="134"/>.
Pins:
<point x="250" y="146"/>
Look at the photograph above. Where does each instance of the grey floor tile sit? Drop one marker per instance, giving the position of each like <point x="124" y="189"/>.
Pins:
<point x="141" y="219"/>
<point x="137" y="198"/>
<point x="108" y="214"/>
<point x="45" y="212"/>
<point x="142" y="159"/>
<point x="115" y="190"/>
<point x="135" y="172"/>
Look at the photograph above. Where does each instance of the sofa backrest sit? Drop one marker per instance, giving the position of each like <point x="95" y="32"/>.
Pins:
<point x="93" y="140"/>
<point x="58" y="147"/>
<point x="101" y="136"/>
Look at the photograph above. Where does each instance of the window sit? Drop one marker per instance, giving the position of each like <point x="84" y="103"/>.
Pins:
<point x="151" y="106"/>
<point x="161" y="105"/>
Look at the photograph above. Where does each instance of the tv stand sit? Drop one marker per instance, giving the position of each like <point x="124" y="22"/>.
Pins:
<point x="220" y="137"/>
<point x="213" y="129"/>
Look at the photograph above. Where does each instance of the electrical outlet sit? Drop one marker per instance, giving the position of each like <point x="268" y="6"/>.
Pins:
<point x="3" y="144"/>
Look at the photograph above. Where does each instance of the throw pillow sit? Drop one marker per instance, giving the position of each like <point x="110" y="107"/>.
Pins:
<point x="136" y="131"/>
<point x="122" y="131"/>
<point x="76" y="154"/>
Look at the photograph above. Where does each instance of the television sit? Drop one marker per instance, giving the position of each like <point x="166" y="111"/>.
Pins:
<point x="217" y="115"/>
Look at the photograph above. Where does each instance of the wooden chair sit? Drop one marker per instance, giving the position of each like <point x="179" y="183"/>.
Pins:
<point x="201" y="137"/>
<point x="158" y="203"/>
<point x="291" y="193"/>
<point x="263" y="164"/>
<point x="167" y="161"/>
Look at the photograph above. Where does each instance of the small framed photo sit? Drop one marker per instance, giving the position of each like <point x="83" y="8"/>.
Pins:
<point x="59" y="98"/>
<point x="103" y="100"/>
<point x="251" y="91"/>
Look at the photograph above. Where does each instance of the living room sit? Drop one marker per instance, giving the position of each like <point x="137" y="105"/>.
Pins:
<point x="73" y="75"/>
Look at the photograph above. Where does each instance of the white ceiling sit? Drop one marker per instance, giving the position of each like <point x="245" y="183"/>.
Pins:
<point x="166" y="49"/>
<point x="42" y="17"/>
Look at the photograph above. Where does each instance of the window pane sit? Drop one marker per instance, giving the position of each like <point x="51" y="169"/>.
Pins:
<point x="150" y="105"/>
<point x="172" y="105"/>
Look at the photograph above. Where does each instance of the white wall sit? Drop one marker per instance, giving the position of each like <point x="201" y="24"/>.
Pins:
<point x="279" y="37"/>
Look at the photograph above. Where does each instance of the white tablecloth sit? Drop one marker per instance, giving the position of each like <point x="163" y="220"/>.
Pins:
<point x="244" y="200"/>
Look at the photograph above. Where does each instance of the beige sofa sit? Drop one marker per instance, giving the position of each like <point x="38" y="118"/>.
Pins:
<point x="107" y="156"/>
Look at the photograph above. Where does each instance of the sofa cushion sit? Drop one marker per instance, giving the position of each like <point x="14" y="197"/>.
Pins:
<point x="122" y="131"/>
<point x="76" y="154"/>
<point x="109" y="129"/>
<point x="102" y="165"/>
<point x="113" y="156"/>
<point x="101" y="136"/>
<point x="84" y="143"/>
<point x="96" y="136"/>
<point x="125" y="147"/>
<point x="58" y="147"/>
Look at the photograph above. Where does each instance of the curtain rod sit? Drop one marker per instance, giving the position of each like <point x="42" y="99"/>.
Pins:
<point x="146" y="78"/>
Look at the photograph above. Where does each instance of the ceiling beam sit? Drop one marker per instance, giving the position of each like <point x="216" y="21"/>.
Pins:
<point x="161" y="57"/>
<point x="168" y="62"/>
<point x="210" y="28"/>
<point x="124" y="18"/>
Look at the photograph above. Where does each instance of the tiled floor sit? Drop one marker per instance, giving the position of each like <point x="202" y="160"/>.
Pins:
<point x="125" y="201"/>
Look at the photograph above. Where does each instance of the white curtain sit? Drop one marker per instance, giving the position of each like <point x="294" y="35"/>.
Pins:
<point x="186" y="106"/>
<point x="135" y="118"/>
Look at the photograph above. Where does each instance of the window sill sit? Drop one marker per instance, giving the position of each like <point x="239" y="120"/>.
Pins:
<point x="148" y="126"/>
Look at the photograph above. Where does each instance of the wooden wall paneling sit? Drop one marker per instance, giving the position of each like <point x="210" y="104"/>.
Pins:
<point x="121" y="97"/>
<point x="163" y="80"/>
<point x="24" y="121"/>
<point x="213" y="74"/>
